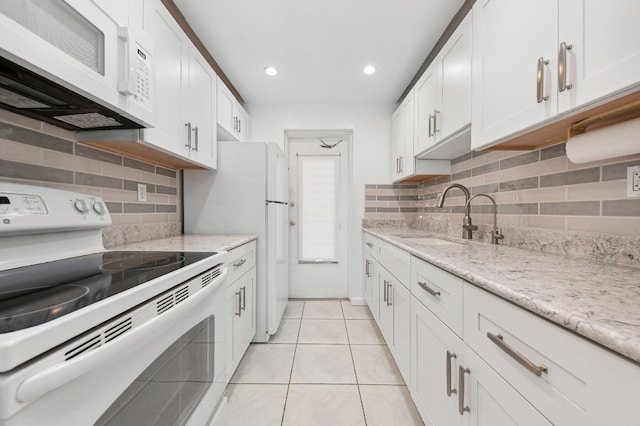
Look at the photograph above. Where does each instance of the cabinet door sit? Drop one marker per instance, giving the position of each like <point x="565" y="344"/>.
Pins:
<point x="454" y="69"/>
<point x="371" y="286"/>
<point x="225" y="113"/>
<point x="407" y="162"/>
<point x="435" y="356"/>
<point x="247" y="330"/>
<point x="171" y="54"/>
<point x="426" y="100"/>
<point x="385" y="323"/>
<point x="397" y="146"/>
<point x="201" y="146"/>
<point x="243" y="123"/>
<point x="491" y="400"/>
<point x="509" y="39"/>
<point x="400" y="301"/>
<point x="605" y="48"/>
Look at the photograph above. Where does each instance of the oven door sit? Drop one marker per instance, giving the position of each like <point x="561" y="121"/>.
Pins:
<point x="166" y="366"/>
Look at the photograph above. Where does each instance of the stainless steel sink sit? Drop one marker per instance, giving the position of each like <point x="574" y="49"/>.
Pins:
<point x="429" y="241"/>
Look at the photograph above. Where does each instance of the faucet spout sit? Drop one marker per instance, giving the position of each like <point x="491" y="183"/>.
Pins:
<point x="467" y="226"/>
<point x="495" y="234"/>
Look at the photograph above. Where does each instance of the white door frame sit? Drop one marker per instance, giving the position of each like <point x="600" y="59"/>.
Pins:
<point x="313" y="135"/>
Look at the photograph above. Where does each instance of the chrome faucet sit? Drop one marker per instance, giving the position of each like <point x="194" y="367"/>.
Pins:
<point x="467" y="226"/>
<point x="495" y="234"/>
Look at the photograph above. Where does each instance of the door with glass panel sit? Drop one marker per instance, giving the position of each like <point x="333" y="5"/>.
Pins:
<point x="318" y="237"/>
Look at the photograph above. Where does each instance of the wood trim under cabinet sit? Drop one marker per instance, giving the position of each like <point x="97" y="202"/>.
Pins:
<point x="182" y="21"/>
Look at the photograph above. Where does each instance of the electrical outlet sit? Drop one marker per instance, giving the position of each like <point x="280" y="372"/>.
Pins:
<point x="142" y="192"/>
<point x="633" y="181"/>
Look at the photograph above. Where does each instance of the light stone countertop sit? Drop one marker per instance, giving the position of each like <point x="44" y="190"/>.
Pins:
<point x="597" y="300"/>
<point x="190" y="243"/>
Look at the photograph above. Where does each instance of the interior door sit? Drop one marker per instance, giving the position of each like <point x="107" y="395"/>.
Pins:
<point x="318" y="237"/>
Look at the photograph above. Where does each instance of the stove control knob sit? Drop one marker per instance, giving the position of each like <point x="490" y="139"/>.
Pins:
<point x="81" y="206"/>
<point x="99" y="208"/>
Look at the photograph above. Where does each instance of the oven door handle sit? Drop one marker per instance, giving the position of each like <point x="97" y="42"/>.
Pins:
<point x="59" y="375"/>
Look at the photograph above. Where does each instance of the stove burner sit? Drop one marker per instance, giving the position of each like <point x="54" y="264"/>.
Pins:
<point x="41" y="304"/>
<point x="142" y="262"/>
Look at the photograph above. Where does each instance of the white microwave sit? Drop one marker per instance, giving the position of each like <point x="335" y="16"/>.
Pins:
<point x="84" y="46"/>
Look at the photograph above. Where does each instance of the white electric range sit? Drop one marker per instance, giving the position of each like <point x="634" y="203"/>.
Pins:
<point x="89" y="336"/>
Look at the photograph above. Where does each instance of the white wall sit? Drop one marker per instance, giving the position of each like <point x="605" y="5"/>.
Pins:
<point x="371" y="125"/>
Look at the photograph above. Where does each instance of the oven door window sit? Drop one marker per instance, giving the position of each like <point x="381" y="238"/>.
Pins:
<point x="169" y="390"/>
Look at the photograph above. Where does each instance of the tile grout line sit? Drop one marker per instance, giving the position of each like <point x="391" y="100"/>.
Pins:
<point x="286" y="397"/>
<point x="353" y="364"/>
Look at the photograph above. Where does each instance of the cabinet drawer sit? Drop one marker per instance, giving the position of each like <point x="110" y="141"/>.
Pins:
<point x="370" y="244"/>
<point x="581" y="382"/>
<point x="240" y="260"/>
<point x="396" y="260"/>
<point x="439" y="291"/>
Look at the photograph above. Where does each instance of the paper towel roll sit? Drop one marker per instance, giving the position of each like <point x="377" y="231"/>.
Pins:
<point x="613" y="141"/>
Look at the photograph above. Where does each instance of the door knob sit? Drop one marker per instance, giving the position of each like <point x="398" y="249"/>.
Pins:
<point x="292" y="223"/>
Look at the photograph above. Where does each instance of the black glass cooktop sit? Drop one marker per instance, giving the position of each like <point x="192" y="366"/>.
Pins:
<point x="35" y="294"/>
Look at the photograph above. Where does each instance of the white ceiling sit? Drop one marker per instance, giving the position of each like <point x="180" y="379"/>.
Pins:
<point x="319" y="46"/>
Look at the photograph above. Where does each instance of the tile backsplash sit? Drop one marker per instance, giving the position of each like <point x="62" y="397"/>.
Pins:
<point x="545" y="202"/>
<point x="36" y="153"/>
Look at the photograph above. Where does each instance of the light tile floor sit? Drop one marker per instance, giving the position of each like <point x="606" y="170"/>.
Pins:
<point x="328" y="365"/>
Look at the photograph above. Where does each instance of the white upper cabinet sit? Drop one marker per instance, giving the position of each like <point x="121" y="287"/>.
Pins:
<point x="535" y="62"/>
<point x="233" y="119"/>
<point x="443" y="95"/>
<point x="514" y="58"/>
<point x="602" y="45"/>
<point x="403" y="164"/>
<point x="185" y="91"/>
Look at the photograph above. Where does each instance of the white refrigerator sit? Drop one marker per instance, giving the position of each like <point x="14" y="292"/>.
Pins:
<point x="248" y="194"/>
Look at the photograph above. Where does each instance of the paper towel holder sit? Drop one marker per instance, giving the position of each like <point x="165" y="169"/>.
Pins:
<point x="608" y="118"/>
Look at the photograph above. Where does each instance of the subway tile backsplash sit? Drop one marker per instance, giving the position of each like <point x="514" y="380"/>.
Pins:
<point x="35" y="153"/>
<point x="545" y="202"/>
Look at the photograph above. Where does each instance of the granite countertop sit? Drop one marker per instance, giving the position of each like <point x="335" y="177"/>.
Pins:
<point x="191" y="243"/>
<point x="597" y="300"/>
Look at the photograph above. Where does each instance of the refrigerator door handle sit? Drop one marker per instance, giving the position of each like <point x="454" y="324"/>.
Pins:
<point x="277" y="202"/>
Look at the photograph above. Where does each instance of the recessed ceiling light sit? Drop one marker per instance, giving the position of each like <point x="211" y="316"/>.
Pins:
<point x="270" y="71"/>
<point x="369" y="69"/>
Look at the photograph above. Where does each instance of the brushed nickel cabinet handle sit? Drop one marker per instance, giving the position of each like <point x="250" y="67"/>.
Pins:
<point x="540" y="80"/>
<point x="385" y="295"/>
<point x="499" y="341"/>
<point x="449" y="390"/>
<point x="366" y="268"/>
<point x="562" y="67"/>
<point x="389" y="294"/>
<point x="239" y="312"/>
<point x="244" y="298"/>
<point x="435" y="122"/>
<point x="370" y="244"/>
<point x="188" y="126"/>
<point x="428" y="289"/>
<point x="195" y="130"/>
<point x="429" y="133"/>
<point x="240" y="263"/>
<point x="461" y="407"/>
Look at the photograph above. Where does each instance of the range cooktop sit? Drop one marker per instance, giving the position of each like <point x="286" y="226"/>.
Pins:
<point x="36" y="294"/>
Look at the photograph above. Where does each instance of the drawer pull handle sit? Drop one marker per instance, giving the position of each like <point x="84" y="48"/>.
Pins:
<point x="429" y="290"/>
<point x="461" y="407"/>
<point x="239" y="264"/>
<point x="449" y="390"/>
<point x="243" y="306"/>
<point x="239" y="311"/>
<point x="499" y="341"/>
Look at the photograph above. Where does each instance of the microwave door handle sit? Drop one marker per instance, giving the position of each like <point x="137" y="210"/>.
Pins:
<point x="127" y="84"/>
<point x="58" y="375"/>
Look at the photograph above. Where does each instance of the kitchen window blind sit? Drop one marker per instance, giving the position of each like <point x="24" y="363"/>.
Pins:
<point x="318" y="208"/>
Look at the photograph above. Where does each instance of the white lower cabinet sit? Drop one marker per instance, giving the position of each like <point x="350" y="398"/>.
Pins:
<point x="395" y="320"/>
<point x="471" y="358"/>
<point x="435" y="355"/>
<point x="241" y="304"/>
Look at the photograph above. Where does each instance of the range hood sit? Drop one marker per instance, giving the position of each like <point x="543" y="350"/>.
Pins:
<point x="27" y="93"/>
